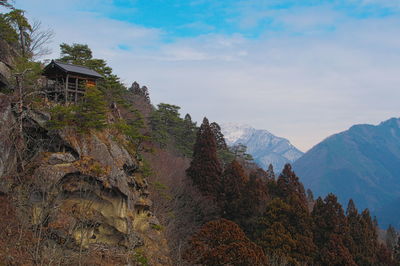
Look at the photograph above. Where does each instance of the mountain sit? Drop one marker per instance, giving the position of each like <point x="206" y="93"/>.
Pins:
<point x="362" y="163"/>
<point x="265" y="147"/>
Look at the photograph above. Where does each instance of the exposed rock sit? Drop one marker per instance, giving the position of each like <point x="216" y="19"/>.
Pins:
<point x="85" y="189"/>
<point x="9" y="140"/>
<point x="60" y="158"/>
<point x="6" y="61"/>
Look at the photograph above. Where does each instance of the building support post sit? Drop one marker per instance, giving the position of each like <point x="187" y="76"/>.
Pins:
<point x="76" y="89"/>
<point x="66" y="88"/>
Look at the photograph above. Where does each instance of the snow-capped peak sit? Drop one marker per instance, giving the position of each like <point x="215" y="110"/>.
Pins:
<point x="265" y="147"/>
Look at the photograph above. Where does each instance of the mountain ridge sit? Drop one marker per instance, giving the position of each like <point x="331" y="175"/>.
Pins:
<point x="362" y="163"/>
<point x="265" y="147"/>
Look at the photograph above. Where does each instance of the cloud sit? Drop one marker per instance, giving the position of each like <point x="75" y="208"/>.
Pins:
<point x="302" y="86"/>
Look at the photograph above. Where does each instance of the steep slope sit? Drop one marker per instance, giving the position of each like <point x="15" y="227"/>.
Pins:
<point x="362" y="163"/>
<point x="265" y="147"/>
<point x="85" y="192"/>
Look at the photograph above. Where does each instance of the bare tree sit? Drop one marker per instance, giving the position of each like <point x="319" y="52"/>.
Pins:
<point x="40" y="39"/>
<point x="6" y="3"/>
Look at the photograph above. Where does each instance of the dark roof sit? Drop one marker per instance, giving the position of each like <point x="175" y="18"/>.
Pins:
<point x="70" y="68"/>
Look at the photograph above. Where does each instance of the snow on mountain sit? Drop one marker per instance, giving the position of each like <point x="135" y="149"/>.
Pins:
<point x="265" y="147"/>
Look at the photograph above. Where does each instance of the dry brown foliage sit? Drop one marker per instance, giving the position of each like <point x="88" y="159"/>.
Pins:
<point x="222" y="242"/>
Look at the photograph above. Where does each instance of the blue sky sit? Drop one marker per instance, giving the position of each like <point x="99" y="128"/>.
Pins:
<point x="300" y="69"/>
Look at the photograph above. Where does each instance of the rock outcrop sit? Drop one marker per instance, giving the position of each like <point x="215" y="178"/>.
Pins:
<point x="84" y="190"/>
<point x="6" y="62"/>
<point x="9" y="140"/>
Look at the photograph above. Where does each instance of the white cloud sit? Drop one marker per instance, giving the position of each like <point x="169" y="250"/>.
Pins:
<point x="300" y="87"/>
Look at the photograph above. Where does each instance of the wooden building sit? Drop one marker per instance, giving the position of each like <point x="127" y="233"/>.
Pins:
<point x="68" y="82"/>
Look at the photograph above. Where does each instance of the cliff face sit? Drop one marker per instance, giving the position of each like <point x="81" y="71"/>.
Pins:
<point x="82" y="191"/>
<point x="6" y="61"/>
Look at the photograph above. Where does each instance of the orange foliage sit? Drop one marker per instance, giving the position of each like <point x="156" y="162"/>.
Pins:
<point x="222" y="242"/>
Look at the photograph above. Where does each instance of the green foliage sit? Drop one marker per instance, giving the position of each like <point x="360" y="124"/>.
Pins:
<point x="140" y="258"/>
<point x="240" y="151"/>
<point x="146" y="169"/>
<point x="169" y="128"/>
<point x="157" y="227"/>
<point x="28" y="74"/>
<point x="81" y="54"/>
<point x="61" y="117"/>
<point x="131" y="129"/>
<point x="17" y="20"/>
<point x="76" y="53"/>
<point x="90" y="113"/>
<point x="7" y="32"/>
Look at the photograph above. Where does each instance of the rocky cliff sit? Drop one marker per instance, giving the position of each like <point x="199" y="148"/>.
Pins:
<point x="83" y="192"/>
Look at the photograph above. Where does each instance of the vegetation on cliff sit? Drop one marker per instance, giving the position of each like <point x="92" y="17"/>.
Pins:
<point x="114" y="180"/>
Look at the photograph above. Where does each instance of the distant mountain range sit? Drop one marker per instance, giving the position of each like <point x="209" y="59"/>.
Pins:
<point x="362" y="163"/>
<point x="265" y="147"/>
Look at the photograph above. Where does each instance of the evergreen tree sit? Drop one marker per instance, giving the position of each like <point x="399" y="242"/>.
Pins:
<point x="396" y="252"/>
<point x="391" y="237"/>
<point x="219" y="137"/>
<point x="232" y="189"/>
<point x="169" y="128"/>
<point x="293" y="221"/>
<point x="17" y="20"/>
<point x="369" y="245"/>
<point x="205" y="169"/>
<point x="331" y="233"/>
<point x="270" y="172"/>
<point x="310" y="196"/>
<point x="78" y="54"/>
<point x="91" y="113"/>
<point x="222" y="242"/>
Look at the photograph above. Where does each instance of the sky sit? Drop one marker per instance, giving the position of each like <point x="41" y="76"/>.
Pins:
<point x="302" y="69"/>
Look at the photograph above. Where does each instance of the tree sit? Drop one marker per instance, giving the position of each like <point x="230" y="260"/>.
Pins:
<point x="396" y="252"/>
<point x="331" y="233"/>
<point x="219" y="137"/>
<point x="20" y="24"/>
<point x="7" y="32"/>
<point x="39" y="39"/>
<point x="169" y="128"/>
<point x="205" y="169"/>
<point x="5" y="3"/>
<point x="270" y="172"/>
<point x="289" y="184"/>
<point x="92" y="111"/>
<point x="222" y="242"/>
<point x="391" y="237"/>
<point x="76" y="53"/>
<point x="231" y="191"/>
<point x="285" y="228"/>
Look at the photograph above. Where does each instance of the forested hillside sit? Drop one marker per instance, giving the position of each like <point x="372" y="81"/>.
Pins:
<point x="111" y="179"/>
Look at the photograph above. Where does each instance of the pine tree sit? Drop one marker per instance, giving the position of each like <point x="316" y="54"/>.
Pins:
<point x="91" y="112"/>
<point x="205" y="169"/>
